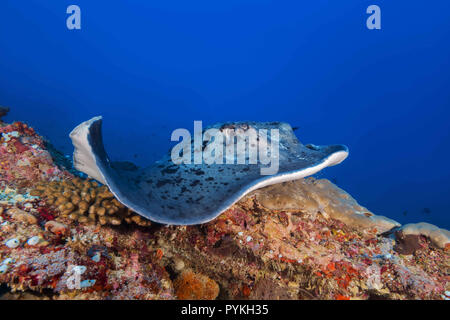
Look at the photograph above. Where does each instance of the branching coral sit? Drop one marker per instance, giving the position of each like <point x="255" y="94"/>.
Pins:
<point x="85" y="201"/>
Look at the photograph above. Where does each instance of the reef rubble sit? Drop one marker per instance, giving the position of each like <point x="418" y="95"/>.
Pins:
<point x="65" y="237"/>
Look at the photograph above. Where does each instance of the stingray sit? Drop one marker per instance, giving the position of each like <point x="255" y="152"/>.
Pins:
<point x="188" y="194"/>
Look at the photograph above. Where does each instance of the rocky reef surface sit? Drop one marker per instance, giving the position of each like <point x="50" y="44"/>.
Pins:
<point x="65" y="237"/>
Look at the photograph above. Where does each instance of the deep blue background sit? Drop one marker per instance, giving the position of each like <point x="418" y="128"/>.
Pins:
<point x="152" y="66"/>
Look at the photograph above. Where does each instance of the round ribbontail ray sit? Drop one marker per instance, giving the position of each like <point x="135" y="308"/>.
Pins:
<point x="195" y="192"/>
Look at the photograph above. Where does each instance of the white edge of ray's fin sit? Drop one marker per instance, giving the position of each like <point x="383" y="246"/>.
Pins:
<point x="332" y="160"/>
<point x="83" y="157"/>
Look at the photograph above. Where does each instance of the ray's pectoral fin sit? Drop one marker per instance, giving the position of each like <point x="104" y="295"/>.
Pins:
<point x="122" y="178"/>
<point x="84" y="158"/>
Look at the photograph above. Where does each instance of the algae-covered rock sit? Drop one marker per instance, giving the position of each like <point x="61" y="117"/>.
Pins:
<point x="439" y="237"/>
<point x="310" y="195"/>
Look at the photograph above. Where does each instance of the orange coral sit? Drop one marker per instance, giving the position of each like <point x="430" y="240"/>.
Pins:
<point x="159" y="254"/>
<point x="194" y="286"/>
<point x="246" y="291"/>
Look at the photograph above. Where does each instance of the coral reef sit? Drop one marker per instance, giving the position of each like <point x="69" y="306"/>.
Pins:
<point x="258" y="253"/>
<point x="63" y="237"/>
<point x="24" y="159"/>
<point x="41" y="244"/>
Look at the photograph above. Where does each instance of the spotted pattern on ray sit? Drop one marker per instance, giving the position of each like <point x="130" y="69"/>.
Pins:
<point x="188" y="194"/>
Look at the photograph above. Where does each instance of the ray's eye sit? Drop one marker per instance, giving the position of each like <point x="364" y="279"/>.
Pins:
<point x="312" y="147"/>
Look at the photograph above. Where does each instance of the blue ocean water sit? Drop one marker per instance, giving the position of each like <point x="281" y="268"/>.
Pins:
<point x="150" y="67"/>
